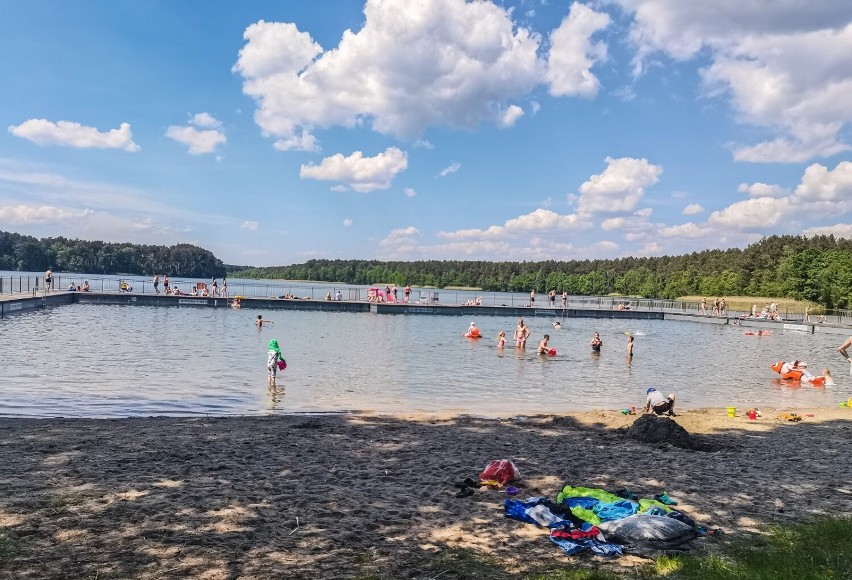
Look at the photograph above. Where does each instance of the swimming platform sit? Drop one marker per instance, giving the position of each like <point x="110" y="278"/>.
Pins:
<point x="19" y="303"/>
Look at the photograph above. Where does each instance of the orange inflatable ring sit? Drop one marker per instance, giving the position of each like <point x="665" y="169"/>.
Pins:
<point x="474" y="333"/>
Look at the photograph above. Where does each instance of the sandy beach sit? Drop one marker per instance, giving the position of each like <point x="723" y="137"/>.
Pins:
<point x="348" y="496"/>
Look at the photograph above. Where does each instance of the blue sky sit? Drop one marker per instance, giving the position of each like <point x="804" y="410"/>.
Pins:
<point x="275" y="132"/>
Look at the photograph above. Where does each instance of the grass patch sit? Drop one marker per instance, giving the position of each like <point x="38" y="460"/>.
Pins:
<point x="821" y="550"/>
<point x="7" y="549"/>
<point x="818" y="550"/>
<point x="744" y="303"/>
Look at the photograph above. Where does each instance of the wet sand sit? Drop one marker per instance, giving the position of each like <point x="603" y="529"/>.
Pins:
<point x="343" y="496"/>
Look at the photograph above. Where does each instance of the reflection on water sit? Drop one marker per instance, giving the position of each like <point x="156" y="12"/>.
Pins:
<point x="111" y="361"/>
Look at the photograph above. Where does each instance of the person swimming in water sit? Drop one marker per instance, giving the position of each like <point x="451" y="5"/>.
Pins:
<point x="501" y="339"/>
<point x="557" y="325"/>
<point x="542" y="346"/>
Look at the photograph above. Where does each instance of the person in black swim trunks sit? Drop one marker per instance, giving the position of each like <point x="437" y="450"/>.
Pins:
<point x="596" y="342"/>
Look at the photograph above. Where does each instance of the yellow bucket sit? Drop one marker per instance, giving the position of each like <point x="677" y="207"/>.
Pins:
<point x="732" y="411"/>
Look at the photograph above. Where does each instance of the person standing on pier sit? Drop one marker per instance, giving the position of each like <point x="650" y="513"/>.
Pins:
<point x="156" y="283"/>
<point x="564" y="300"/>
<point x="532" y="298"/>
<point x="407" y="292"/>
<point x="165" y="284"/>
<point x="224" y="286"/>
<point x="48" y="280"/>
<point x="214" y="288"/>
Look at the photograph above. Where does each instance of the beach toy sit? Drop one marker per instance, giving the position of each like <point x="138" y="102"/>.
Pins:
<point x="511" y="490"/>
<point x="552" y="352"/>
<point x="752" y="414"/>
<point x="732" y="411"/>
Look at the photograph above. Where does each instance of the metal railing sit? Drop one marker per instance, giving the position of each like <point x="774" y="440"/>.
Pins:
<point x="11" y="285"/>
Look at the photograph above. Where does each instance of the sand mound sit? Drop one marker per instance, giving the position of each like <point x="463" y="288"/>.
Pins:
<point x="653" y="429"/>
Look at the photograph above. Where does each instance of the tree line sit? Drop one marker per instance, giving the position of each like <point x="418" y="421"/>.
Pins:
<point x="817" y="269"/>
<point x="29" y="254"/>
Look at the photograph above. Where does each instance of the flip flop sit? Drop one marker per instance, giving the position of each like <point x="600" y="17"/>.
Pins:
<point x="469" y="482"/>
<point x="465" y="492"/>
<point x="511" y="490"/>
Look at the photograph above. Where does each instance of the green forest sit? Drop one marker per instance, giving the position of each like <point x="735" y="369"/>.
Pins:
<point x="29" y="254"/>
<point x="817" y="269"/>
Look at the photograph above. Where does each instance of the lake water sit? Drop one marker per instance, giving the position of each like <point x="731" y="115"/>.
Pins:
<point x="116" y="361"/>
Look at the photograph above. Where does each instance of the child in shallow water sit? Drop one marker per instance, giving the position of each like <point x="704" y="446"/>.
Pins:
<point x="273" y="355"/>
<point x="501" y="339"/>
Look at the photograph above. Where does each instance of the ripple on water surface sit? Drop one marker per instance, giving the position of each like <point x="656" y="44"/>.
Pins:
<point x="114" y="361"/>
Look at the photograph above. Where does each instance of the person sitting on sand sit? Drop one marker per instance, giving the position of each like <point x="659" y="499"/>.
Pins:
<point x="658" y="404"/>
<point x="542" y="346"/>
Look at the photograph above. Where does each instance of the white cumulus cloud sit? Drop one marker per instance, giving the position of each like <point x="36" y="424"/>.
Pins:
<point x="782" y="66"/>
<point x="619" y="188"/>
<point x="758" y="189"/>
<point x="463" y="64"/>
<point x="69" y="134"/>
<point x="693" y="209"/>
<point x="361" y="173"/>
<point x="250" y="225"/>
<point x="837" y="230"/>
<point x="45" y="214"/>
<point x="202" y="135"/>
<point x="573" y="54"/>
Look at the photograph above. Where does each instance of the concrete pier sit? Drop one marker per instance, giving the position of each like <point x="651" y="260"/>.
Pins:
<point x="10" y="305"/>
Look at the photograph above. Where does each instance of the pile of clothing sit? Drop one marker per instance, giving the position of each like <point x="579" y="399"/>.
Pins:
<point x="585" y="518"/>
